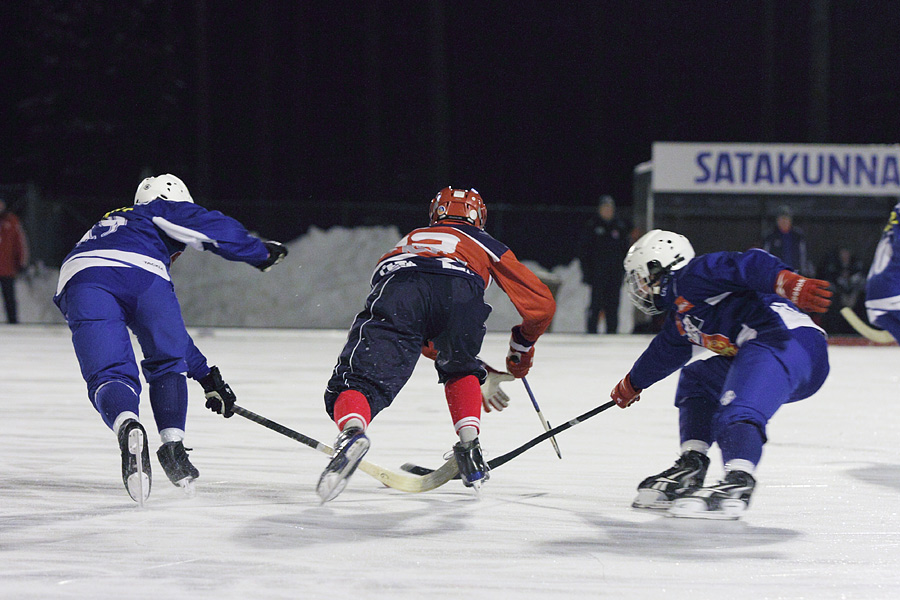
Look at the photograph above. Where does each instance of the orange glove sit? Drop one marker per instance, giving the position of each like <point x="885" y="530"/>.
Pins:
<point x="810" y="295"/>
<point x="520" y="355"/>
<point x="624" y="393"/>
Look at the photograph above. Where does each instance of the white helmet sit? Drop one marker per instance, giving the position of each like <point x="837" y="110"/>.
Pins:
<point x="657" y="253"/>
<point x="167" y="187"/>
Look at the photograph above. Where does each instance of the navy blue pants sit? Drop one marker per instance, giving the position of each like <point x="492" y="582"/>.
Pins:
<point x="8" y="288"/>
<point x="403" y="311"/>
<point x="100" y="314"/>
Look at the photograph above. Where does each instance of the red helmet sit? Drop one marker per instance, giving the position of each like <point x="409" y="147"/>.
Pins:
<point x="458" y="205"/>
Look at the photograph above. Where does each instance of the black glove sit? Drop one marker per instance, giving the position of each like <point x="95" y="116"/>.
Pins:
<point x="219" y="397"/>
<point x="277" y="252"/>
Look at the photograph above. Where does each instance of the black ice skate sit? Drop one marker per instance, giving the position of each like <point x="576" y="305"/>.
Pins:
<point x="658" y="491"/>
<point x="728" y="499"/>
<point x="349" y="449"/>
<point x="472" y="469"/>
<point x="135" y="460"/>
<point x="174" y="460"/>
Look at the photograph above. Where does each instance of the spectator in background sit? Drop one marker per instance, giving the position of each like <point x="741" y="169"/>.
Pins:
<point x="788" y="242"/>
<point x="847" y="278"/>
<point x="13" y="258"/>
<point x="602" y="246"/>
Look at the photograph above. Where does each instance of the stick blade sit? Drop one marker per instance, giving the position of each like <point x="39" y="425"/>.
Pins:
<point x="879" y="336"/>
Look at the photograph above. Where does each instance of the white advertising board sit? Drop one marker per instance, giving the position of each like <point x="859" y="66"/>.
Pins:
<point x="810" y="169"/>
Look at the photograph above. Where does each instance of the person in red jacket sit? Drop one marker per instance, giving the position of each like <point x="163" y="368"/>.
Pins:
<point x="13" y="258"/>
<point x="429" y="291"/>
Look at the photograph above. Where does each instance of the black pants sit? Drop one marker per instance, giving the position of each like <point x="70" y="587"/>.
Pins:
<point x="403" y="311"/>
<point x="605" y="297"/>
<point x="7" y="284"/>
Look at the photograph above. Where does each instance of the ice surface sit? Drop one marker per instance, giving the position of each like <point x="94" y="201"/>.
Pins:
<point x="823" y="522"/>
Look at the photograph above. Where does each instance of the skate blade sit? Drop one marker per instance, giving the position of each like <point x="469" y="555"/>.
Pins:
<point x="134" y="487"/>
<point x="330" y="486"/>
<point x="135" y="441"/>
<point x="187" y="486"/>
<point x="332" y="483"/>
<point x="138" y="483"/>
<point x="476" y="485"/>
<point x="651" y="500"/>
<point x="695" y="508"/>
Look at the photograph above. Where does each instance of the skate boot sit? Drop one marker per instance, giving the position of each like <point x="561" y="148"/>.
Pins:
<point x="349" y="449"/>
<point x="135" y="460"/>
<point x="728" y="499"/>
<point x="658" y="491"/>
<point x="472" y="469"/>
<point x="173" y="458"/>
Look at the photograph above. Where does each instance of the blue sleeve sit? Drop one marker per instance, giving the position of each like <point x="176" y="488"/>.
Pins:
<point x="196" y="362"/>
<point x="667" y="353"/>
<point x="209" y="230"/>
<point x="735" y="271"/>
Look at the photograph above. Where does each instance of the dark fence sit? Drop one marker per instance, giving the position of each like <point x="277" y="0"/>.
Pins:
<point x="545" y="234"/>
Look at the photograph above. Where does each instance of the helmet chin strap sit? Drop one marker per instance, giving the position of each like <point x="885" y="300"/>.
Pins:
<point x="662" y="272"/>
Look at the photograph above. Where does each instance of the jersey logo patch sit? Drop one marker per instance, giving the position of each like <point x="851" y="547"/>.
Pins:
<point x="682" y="304"/>
<point x="689" y="327"/>
<point x="393" y="266"/>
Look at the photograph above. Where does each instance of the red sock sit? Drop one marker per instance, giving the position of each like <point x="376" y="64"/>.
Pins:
<point x="351" y="404"/>
<point x="464" y="400"/>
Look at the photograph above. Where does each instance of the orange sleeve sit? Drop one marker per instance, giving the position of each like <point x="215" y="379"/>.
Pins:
<point x="530" y="296"/>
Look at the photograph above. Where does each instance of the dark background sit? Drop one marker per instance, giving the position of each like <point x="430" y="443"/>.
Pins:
<point x="288" y="113"/>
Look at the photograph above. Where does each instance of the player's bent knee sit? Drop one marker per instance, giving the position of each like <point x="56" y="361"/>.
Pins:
<point x="727" y="418"/>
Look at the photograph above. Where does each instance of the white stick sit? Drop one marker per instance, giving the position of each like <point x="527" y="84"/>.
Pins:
<point x="399" y="481"/>
<point x="879" y="336"/>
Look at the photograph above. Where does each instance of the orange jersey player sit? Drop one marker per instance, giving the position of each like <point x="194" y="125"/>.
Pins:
<point x="429" y="290"/>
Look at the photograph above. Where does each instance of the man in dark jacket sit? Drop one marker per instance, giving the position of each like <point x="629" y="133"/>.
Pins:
<point x="788" y="242"/>
<point x="602" y="248"/>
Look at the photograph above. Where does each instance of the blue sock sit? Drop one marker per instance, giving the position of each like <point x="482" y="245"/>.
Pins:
<point x="742" y="440"/>
<point x="695" y="419"/>
<point x="113" y="398"/>
<point x="169" y="400"/>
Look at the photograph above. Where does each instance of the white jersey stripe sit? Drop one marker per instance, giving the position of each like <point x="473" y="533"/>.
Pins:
<point x="191" y="237"/>
<point x="108" y="258"/>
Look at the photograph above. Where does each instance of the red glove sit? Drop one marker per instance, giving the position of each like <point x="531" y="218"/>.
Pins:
<point x="624" y="393"/>
<point x="428" y="351"/>
<point x="810" y="295"/>
<point x="520" y="355"/>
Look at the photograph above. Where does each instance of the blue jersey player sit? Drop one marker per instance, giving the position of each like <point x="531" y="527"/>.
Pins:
<point x="117" y="278"/>
<point x="746" y="308"/>
<point x="883" y="282"/>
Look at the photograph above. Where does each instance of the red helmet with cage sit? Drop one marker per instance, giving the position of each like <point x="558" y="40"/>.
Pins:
<point x="458" y="205"/>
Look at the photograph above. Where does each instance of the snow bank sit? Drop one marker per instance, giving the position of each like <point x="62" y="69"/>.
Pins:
<point x="321" y="284"/>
